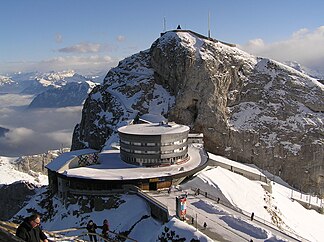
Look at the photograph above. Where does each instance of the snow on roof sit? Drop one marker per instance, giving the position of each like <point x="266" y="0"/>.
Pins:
<point x="153" y="129"/>
<point x="113" y="168"/>
<point x="153" y="118"/>
<point x="60" y="161"/>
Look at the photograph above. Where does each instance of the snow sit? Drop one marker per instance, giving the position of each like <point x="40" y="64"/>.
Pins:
<point x="9" y="175"/>
<point x="184" y="231"/>
<point x="245" y="195"/>
<point x="111" y="167"/>
<point x="60" y="161"/>
<point x="154" y="129"/>
<point x="249" y="196"/>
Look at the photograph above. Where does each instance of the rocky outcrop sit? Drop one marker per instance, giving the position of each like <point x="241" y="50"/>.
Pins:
<point x="3" y="131"/>
<point x="250" y="109"/>
<point x="13" y="197"/>
<point x="36" y="163"/>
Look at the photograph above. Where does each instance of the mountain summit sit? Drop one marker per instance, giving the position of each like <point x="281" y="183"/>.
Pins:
<point x="250" y="109"/>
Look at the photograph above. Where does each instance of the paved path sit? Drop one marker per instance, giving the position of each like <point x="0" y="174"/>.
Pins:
<point x="223" y="223"/>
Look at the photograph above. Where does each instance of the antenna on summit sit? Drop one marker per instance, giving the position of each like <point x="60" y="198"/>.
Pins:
<point x="208" y="24"/>
<point x="164" y="25"/>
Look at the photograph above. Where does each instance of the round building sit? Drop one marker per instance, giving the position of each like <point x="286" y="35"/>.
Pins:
<point x="154" y="144"/>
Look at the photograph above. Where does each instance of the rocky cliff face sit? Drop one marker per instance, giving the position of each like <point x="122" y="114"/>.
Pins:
<point x="250" y="109"/>
<point x="13" y="197"/>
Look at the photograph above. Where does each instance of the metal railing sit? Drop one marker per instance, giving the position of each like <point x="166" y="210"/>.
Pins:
<point x="112" y="236"/>
<point x="288" y="233"/>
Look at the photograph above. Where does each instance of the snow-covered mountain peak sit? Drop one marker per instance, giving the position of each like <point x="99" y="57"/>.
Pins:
<point x="249" y="108"/>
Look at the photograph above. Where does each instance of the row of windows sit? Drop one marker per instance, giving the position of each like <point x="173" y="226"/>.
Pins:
<point x="153" y="151"/>
<point x="153" y="161"/>
<point x="153" y="144"/>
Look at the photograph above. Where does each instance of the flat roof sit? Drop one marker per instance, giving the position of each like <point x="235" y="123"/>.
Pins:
<point x="153" y="129"/>
<point x="113" y="168"/>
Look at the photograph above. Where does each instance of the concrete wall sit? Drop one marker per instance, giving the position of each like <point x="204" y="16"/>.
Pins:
<point x="246" y="173"/>
<point x="158" y="210"/>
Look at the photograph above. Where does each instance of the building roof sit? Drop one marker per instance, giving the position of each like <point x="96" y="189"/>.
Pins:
<point x="111" y="167"/>
<point x="153" y="129"/>
<point x="64" y="158"/>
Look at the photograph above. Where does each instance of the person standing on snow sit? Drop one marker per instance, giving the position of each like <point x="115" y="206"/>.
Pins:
<point x="252" y="216"/>
<point x="105" y="229"/>
<point x="91" y="227"/>
<point x="29" y="230"/>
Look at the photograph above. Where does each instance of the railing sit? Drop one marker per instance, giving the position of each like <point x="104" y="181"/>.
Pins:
<point x="57" y="236"/>
<point x="248" y="214"/>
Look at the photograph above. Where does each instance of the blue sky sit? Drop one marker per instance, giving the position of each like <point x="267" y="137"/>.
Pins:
<point x="94" y="35"/>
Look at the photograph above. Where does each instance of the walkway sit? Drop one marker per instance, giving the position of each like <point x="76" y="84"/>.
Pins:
<point x="223" y="223"/>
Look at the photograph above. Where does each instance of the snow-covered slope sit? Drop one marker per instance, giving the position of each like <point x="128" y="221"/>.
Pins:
<point x="131" y="215"/>
<point x="248" y="196"/>
<point x="10" y="174"/>
<point x="127" y="214"/>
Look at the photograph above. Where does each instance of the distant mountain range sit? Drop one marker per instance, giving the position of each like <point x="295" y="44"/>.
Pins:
<point x="54" y="89"/>
<point x="71" y="94"/>
<point x="312" y="73"/>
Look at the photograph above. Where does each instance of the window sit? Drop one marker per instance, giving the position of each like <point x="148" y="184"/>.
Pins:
<point x="150" y="144"/>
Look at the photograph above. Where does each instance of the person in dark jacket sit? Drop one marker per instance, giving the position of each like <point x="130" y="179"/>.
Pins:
<point x="105" y="229"/>
<point x="252" y="216"/>
<point x="30" y="231"/>
<point x="91" y="227"/>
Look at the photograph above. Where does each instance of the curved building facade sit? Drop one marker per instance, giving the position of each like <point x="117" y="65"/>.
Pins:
<point x="154" y="144"/>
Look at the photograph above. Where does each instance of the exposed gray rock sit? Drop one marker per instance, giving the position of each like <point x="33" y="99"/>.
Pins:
<point x="250" y="109"/>
<point x="13" y="197"/>
<point x="37" y="163"/>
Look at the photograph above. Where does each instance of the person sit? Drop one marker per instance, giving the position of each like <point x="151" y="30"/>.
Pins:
<point x="179" y="27"/>
<point x="105" y="229"/>
<point x="252" y="216"/>
<point x="169" y="190"/>
<point x="30" y="231"/>
<point x="218" y="199"/>
<point x="205" y="225"/>
<point x="91" y="227"/>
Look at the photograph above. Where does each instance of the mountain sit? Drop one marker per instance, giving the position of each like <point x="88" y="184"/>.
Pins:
<point x="8" y="84"/>
<point x="130" y="215"/>
<point x="3" y="131"/>
<point x="249" y="109"/>
<point x="70" y="94"/>
<point x="47" y="81"/>
<point x="37" y="82"/>
<point x="312" y="73"/>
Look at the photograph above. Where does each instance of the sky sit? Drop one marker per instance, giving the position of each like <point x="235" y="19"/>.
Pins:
<point x="90" y="36"/>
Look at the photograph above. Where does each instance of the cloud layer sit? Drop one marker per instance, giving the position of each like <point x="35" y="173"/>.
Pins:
<point x="34" y="131"/>
<point x="304" y="46"/>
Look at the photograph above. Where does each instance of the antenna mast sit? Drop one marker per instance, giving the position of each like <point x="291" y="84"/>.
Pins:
<point x="164" y="25"/>
<point x="208" y="24"/>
